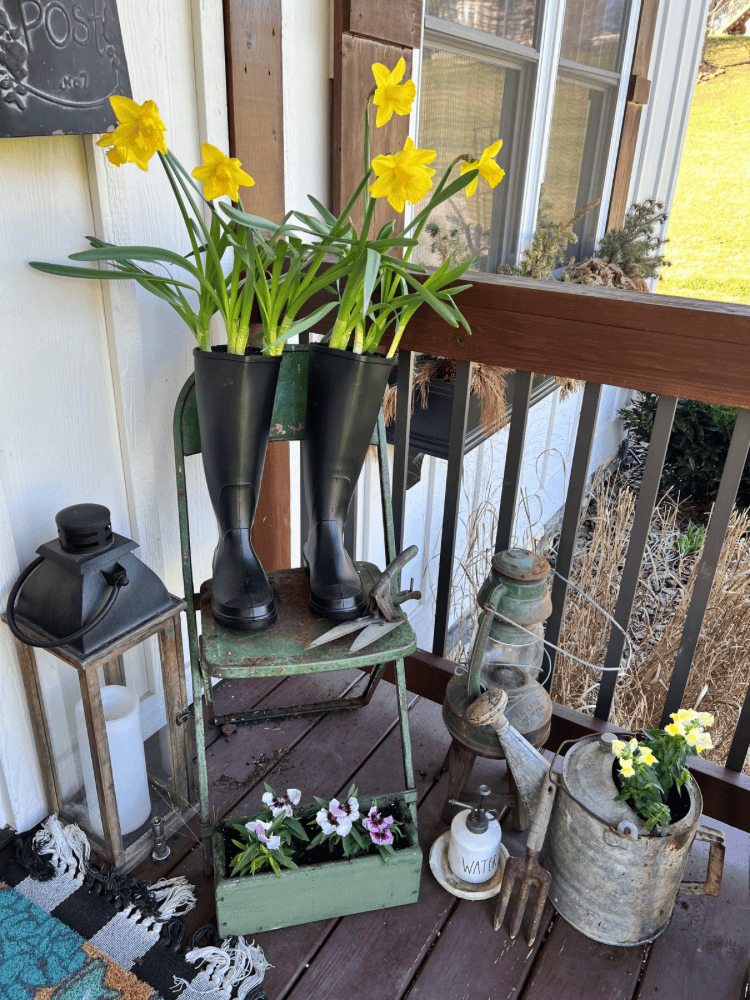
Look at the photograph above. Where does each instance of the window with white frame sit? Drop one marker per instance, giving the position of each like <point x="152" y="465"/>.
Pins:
<point x="545" y="76"/>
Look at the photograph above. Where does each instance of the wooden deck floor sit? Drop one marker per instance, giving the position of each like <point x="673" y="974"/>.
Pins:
<point x="440" y="948"/>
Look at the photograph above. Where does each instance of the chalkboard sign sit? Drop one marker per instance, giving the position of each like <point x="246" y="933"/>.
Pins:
<point x="60" y="62"/>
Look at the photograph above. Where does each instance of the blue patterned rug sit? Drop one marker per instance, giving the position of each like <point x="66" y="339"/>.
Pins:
<point x="70" y="930"/>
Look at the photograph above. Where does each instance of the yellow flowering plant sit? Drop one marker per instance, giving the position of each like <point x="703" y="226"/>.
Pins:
<point x="267" y="260"/>
<point x="275" y="269"/>
<point x="647" y="770"/>
<point x="376" y="288"/>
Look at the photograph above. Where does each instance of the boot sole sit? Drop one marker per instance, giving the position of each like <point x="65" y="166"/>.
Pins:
<point x="323" y="610"/>
<point x="254" y="624"/>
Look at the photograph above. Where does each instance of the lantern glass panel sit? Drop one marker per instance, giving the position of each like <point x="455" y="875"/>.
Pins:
<point x="143" y="769"/>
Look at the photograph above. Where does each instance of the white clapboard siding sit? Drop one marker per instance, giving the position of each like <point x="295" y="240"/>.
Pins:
<point x="91" y="372"/>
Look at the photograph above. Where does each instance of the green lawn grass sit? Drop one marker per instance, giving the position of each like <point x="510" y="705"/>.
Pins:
<point x="709" y="228"/>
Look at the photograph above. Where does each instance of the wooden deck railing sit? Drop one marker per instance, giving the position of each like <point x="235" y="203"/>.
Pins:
<point x="673" y="347"/>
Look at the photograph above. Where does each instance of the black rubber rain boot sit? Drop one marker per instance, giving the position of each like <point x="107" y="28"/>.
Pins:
<point x="235" y="396"/>
<point x="344" y="394"/>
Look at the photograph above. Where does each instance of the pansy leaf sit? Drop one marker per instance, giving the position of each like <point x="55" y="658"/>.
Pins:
<point x="359" y="838"/>
<point x="297" y="828"/>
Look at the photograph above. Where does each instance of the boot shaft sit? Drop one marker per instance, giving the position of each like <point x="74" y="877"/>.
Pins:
<point x="344" y="394"/>
<point x="235" y="396"/>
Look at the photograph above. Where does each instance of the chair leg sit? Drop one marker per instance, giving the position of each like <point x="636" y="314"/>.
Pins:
<point x="203" y="791"/>
<point x="459" y="763"/>
<point x="403" y="718"/>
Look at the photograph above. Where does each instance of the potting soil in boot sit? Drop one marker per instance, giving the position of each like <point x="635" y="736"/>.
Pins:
<point x="344" y="393"/>
<point x="235" y="395"/>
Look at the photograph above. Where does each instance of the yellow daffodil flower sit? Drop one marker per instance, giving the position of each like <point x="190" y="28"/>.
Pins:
<point x="404" y="176"/>
<point x="392" y="96"/>
<point x="221" y="174"/>
<point x="626" y="769"/>
<point x="675" y="729"/>
<point x="617" y="747"/>
<point x="705" y="719"/>
<point x="646" y="757"/>
<point x="488" y="169"/>
<point x="139" y="135"/>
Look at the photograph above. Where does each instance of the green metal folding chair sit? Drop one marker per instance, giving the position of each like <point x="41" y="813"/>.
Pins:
<point x="279" y="651"/>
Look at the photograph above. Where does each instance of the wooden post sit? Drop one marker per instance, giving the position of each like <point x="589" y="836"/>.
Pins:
<point x="256" y="137"/>
<point x="365" y="33"/>
<point x="638" y="94"/>
<point x="101" y="762"/>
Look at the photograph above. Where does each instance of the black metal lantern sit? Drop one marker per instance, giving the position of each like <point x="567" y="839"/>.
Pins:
<point x="86" y="588"/>
<point x="88" y="600"/>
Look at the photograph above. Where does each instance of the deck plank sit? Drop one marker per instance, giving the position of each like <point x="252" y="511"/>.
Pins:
<point x="384" y="947"/>
<point x="391" y="948"/>
<point x="235" y="763"/>
<point x="705" y="950"/>
<point x="572" y="967"/>
<point x="319" y="763"/>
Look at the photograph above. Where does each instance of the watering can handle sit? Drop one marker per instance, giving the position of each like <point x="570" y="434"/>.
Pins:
<point x="717" y="850"/>
<point x="480" y="643"/>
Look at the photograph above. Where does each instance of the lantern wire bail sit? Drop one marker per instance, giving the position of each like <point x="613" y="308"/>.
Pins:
<point x="559" y="649"/>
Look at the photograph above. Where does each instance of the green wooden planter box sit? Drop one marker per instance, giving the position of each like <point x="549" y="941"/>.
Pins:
<point x="266" y="902"/>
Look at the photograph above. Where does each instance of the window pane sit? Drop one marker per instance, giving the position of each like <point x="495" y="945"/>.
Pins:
<point x="579" y="140"/>
<point x="514" y="20"/>
<point x="461" y="111"/>
<point x="592" y="32"/>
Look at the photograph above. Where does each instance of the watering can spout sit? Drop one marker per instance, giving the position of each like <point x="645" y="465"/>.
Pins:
<point x="528" y="767"/>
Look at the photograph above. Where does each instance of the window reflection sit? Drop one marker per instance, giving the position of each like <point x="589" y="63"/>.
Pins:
<point x="514" y="20"/>
<point x="592" y="31"/>
<point x="451" y="125"/>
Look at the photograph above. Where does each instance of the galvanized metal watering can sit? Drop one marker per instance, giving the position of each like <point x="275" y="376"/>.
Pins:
<point x="610" y="879"/>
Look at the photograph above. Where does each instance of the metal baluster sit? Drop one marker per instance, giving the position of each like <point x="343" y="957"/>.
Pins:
<point x="741" y="738"/>
<point x="579" y="471"/>
<point x="717" y="529"/>
<point x="459" y="416"/>
<point x="644" y="509"/>
<point x="404" y="390"/>
<point x="513" y="460"/>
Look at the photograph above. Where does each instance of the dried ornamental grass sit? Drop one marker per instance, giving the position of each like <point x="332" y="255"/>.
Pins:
<point x="719" y="677"/>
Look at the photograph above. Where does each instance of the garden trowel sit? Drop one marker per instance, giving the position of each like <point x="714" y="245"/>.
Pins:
<point x="382" y="616"/>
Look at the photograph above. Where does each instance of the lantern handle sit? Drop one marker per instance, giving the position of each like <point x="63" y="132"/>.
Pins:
<point x="117" y="579"/>
<point x="594" y="666"/>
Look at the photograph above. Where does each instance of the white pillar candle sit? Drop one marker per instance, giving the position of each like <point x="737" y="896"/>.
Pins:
<point x="123" y="722"/>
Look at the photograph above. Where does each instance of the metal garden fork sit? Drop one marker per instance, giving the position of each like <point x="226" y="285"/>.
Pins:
<point x="528" y="871"/>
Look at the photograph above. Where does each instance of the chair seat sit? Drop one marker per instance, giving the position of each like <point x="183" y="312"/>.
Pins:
<point x="280" y="649"/>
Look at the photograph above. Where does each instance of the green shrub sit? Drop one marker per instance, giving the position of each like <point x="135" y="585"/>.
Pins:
<point x="697" y="449"/>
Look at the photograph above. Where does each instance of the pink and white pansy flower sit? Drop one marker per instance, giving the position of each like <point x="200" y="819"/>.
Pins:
<point x="260" y="831"/>
<point x="347" y="810"/>
<point x="375" y="821"/>
<point x="382" y="836"/>
<point x="282" y="803"/>
<point x="338" y="817"/>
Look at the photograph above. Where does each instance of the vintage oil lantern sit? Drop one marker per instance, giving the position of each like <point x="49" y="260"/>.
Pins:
<point x="515" y="601"/>
<point x="89" y="601"/>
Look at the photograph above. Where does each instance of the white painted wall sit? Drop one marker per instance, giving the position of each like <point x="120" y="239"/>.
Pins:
<point x="90" y="374"/>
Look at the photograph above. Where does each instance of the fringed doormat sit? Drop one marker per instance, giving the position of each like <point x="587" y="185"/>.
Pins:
<point x="70" y="930"/>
